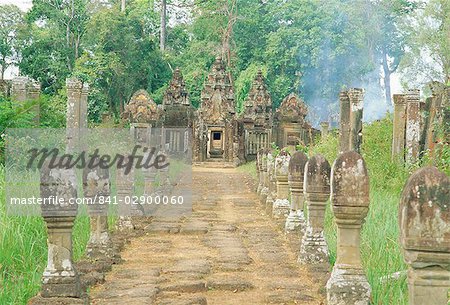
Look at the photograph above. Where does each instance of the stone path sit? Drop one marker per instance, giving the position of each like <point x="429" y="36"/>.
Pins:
<point x="227" y="252"/>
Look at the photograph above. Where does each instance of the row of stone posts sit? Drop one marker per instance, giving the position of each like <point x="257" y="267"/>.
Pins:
<point x="424" y="221"/>
<point x="61" y="280"/>
<point x="417" y="123"/>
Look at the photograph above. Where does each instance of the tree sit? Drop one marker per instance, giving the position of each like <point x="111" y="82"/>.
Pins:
<point x="68" y="18"/>
<point x="11" y="20"/>
<point x="162" y="40"/>
<point x="385" y="38"/>
<point x="427" y="55"/>
<point x="120" y="58"/>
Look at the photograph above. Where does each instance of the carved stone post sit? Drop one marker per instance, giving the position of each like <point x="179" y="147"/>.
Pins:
<point x="425" y="236"/>
<point x="325" y="127"/>
<point x="398" y="137"/>
<point x="164" y="178"/>
<point x="76" y="117"/>
<point x="125" y="188"/>
<point x="314" y="248"/>
<point x="356" y="96"/>
<point x="19" y="88"/>
<point x="259" y="170"/>
<point x="60" y="279"/>
<point x="271" y="182"/>
<point x="265" y="186"/>
<point x="350" y="203"/>
<point x="281" y="205"/>
<point x="344" y="125"/>
<point x="96" y="186"/>
<point x="84" y="105"/>
<point x="296" y="218"/>
<point x="149" y="180"/>
<point x="412" y="138"/>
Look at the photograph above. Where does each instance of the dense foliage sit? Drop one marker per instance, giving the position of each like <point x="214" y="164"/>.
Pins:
<point x="313" y="47"/>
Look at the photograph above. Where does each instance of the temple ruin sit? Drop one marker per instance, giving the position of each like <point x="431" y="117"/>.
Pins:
<point x="290" y="126"/>
<point x="177" y="116"/>
<point x="215" y="125"/>
<point x="257" y="118"/>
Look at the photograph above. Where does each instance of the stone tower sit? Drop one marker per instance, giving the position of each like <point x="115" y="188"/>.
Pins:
<point x="256" y="118"/>
<point x="215" y="124"/>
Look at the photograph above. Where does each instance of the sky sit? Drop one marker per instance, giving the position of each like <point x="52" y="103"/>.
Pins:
<point x="23" y="4"/>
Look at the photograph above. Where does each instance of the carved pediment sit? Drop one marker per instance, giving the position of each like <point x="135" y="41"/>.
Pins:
<point x="292" y="108"/>
<point x="217" y="95"/>
<point x="141" y="109"/>
<point x="258" y="105"/>
<point x="176" y="93"/>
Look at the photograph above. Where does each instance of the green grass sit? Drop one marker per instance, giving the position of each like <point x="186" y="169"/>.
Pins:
<point x="250" y="168"/>
<point x="23" y="251"/>
<point x="23" y="241"/>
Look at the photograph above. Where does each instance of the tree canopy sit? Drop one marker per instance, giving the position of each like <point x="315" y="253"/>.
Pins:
<point x="310" y="47"/>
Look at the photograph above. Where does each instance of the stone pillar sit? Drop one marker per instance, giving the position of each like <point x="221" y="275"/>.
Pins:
<point x="125" y="190"/>
<point x="325" y="127"/>
<point x="356" y="96"/>
<point x="344" y="125"/>
<point x="412" y="133"/>
<point x="296" y="218"/>
<point x="350" y="204"/>
<point x="281" y="205"/>
<point x="150" y="175"/>
<point x="271" y="182"/>
<point x="60" y="279"/>
<point x="398" y="137"/>
<point x="265" y="185"/>
<point x="19" y="88"/>
<point x="84" y="106"/>
<point x="76" y="117"/>
<point x="425" y="236"/>
<point x="314" y="248"/>
<point x="97" y="188"/>
<point x="259" y="171"/>
<point x="164" y="178"/>
<point x="33" y="90"/>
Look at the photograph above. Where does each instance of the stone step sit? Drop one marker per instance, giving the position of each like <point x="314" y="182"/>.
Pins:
<point x="215" y="164"/>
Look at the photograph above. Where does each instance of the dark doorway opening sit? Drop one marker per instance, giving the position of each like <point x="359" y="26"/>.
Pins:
<point x="217" y="136"/>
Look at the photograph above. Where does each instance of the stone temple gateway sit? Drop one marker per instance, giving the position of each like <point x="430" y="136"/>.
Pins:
<point x="219" y="133"/>
<point x="215" y="126"/>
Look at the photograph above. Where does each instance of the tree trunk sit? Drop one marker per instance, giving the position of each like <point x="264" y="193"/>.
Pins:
<point x="77" y="46"/>
<point x="122" y="6"/>
<point x="387" y="79"/>
<point x="162" y="42"/>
